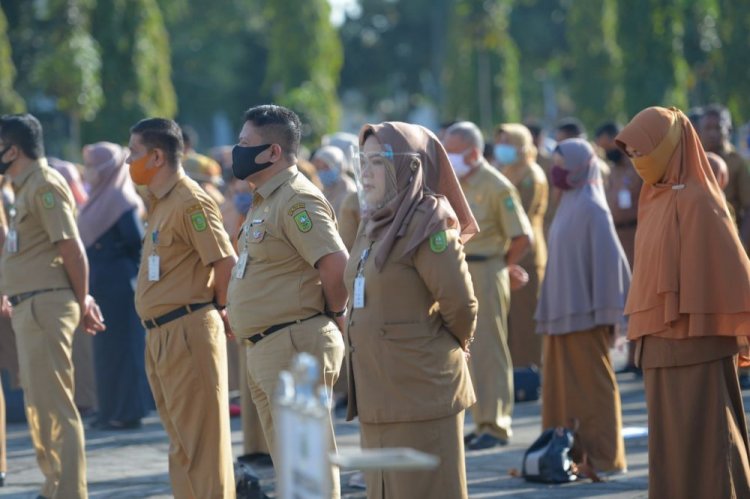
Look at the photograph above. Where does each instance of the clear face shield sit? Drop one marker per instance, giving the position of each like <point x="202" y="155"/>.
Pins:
<point x="375" y="175"/>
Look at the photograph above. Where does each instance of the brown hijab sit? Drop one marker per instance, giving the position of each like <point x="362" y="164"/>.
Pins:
<point x="691" y="276"/>
<point x="424" y="181"/>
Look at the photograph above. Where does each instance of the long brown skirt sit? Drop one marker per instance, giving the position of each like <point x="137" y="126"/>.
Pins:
<point x="578" y="383"/>
<point x="441" y="437"/>
<point x="697" y="435"/>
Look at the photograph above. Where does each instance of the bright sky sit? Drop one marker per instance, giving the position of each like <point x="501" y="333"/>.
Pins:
<point x="340" y="7"/>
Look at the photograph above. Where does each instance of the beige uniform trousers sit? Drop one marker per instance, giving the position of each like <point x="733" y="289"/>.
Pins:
<point x="186" y="364"/>
<point x="440" y="437"/>
<point x="44" y="326"/>
<point x="319" y="337"/>
<point x="490" y="364"/>
<point x="253" y="439"/>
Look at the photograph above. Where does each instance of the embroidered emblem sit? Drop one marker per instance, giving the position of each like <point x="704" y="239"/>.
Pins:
<point x="438" y="242"/>
<point x="302" y="219"/>
<point x="198" y="219"/>
<point x="296" y="207"/>
<point x="48" y="200"/>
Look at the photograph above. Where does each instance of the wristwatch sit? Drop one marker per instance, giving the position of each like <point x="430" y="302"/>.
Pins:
<point x="331" y="313"/>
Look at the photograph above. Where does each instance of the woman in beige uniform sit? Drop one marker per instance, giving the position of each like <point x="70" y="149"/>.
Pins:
<point x="413" y="310"/>
<point x="688" y="305"/>
<point x="516" y="154"/>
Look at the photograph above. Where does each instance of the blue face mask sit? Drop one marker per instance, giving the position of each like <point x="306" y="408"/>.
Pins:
<point x="242" y="202"/>
<point x="328" y="177"/>
<point x="505" y="154"/>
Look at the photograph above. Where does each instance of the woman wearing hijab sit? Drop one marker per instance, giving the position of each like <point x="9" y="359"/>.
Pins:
<point x="111" y="231"/>
<point x="689" y="309"/>
<point x="412" y="309"/>
<point x="582" y="299"/>
<point x="516" y="154"/>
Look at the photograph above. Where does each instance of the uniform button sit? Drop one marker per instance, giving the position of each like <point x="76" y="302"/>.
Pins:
<point x="382" y="332"/>
<point x="351" y="349"/>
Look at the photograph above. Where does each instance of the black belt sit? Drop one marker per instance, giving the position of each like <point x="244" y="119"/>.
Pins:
<point x="626" y="225"/>
<point x="173" y="315"/>
<point x="477" y="258"/>
<point x="16" y="299"/>
<point x="277" y="327"/>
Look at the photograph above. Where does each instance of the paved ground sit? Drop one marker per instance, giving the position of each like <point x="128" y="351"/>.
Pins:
<point x="128" y="464"/>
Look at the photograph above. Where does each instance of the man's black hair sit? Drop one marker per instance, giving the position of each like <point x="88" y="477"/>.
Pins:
<point x="720" y="112"/>
<point x="276" y="125"/>
<point x="573" y="127"/>
<point x="610" y="129"/>
<point x="161" y="133"/>
<point x="23" y="131"/>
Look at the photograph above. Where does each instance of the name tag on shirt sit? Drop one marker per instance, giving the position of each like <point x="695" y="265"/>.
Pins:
<point x="153" y="268"/>
<point x="624" y="199"/>
<point x="358" y="301"/>
<point x="11" y="241"/>
<point x="239" y="269"/>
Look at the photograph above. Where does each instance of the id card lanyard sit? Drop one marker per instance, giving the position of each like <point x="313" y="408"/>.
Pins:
<point x="153" y="259"/>
<point x="241" y="266"/>
<point x="358" y="300"/>
<point x="11" y="240"/>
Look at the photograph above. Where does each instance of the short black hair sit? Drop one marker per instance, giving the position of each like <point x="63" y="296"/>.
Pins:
<point x="277" y="125"/>
<point x="161" y="133"/>
<point x="610" y="129"/>
<point x="572" y="126"/>
<point x="720" y="112"/>
<point x="23" y="131"/>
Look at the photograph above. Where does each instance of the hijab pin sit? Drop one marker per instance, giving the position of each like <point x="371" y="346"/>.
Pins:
<point x="678" y="187"/>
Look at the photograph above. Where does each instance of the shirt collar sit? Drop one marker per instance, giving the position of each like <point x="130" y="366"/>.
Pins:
<point x="167" y="186"/>
<point x="28" y="171"/>
<point x="276" y="181"/>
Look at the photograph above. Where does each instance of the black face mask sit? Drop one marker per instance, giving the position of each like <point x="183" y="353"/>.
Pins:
<point x="3" y="164"/>
<point x="243" y="160"/>
<point x="615" y="155"/>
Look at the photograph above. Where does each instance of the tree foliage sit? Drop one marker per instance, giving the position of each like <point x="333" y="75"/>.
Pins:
<point x="136" y="69"/>
<point x="10" y="101"/>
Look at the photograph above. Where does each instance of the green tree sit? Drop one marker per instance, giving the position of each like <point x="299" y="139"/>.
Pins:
<point x="304" y="62"/>
<point x="703" y="47"/>
<point x="594" y="62"/>
<point x="136" y="70"/>
<point x="651" y="38"/>
<point x="733" y="71"/>
<point x="10" y="101"/>
<point x="482" y="84"/>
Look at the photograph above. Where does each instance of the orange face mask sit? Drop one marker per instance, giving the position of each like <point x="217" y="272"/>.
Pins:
<point x="139" y="173"/>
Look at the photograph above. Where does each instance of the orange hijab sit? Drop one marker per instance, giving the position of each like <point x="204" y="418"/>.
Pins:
<point x="691" y="276"/>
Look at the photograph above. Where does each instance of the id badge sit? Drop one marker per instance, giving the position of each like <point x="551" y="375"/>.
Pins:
<point x="153" y="268"/>
<point x="11" y="241"/>
<point x="358" y="300"/>
<point x="624" y="199"/>
<point x="239" y="269"/>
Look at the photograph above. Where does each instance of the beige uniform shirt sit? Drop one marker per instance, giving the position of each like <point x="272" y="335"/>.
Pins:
<point x="498" y="211"/>
<point x="288" y="229"/>
<point x="186" y="232"/>
<point x="738" y="188"/>
<point x="43" y="214"/>
<point x="404" y="343"/>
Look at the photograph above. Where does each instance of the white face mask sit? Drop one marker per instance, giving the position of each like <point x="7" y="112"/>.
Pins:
<point x="459" y="165"/>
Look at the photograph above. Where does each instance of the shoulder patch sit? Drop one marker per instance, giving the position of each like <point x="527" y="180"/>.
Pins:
<point x="510" y="204"/>
<point x="194" y="208"/>
<point x="296" y="207"/>
<point x="302" y="219"/>
<point x="438" y="242"/>
<point x="48" y="200"/>
<point x="198" y="219"/>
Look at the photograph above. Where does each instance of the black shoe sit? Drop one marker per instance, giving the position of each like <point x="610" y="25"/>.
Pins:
<point x="469" y="437"/>
<point x="486" y="441"/>
<point x="257" y="458"/>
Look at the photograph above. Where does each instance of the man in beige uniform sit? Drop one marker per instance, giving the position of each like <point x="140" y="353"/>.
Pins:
<point x="182" y="280"/>
<point x="288" y="282"/>
<point x="715" y="127"/>
<point x="493" y="255"/>
<point x="45" y="282"/>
